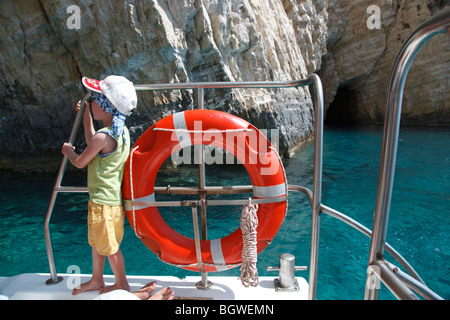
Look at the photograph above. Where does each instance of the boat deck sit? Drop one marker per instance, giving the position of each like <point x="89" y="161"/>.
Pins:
<point x="31" y="286"/>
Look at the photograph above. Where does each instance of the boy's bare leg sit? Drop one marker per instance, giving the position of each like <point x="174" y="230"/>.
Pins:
<point x="145" y="292"/>
<point x="117" y="264"/>
<point x="164" y="294"/>
<point x="96" y="282"/>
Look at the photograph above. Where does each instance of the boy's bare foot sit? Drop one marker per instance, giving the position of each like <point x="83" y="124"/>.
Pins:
<point x="145" y="292"/>
<point x="164" y="294"/>
<point x="88" y="286"/>
<point x="115" y="286"/>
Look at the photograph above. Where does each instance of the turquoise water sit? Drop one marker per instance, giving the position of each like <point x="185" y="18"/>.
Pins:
<point x="418" y="227"/>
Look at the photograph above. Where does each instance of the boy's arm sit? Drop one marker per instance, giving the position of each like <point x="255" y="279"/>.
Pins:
<point x="97" y="144"/>
<point x="88" y="124"/>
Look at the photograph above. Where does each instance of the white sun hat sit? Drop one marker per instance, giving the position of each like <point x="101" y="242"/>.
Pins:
<point x="119" y="91"/>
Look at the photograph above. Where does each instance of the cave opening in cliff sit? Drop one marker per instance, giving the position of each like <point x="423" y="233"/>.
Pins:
<point x="340" y="110"/>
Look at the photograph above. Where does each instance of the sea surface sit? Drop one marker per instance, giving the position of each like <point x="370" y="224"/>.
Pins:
<point x="418" y="228"/>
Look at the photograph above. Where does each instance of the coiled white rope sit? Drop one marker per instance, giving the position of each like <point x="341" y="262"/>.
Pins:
<point x="249" y="223"/>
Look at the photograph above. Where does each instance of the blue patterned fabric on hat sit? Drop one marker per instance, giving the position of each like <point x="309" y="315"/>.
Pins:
<point x="118" y="122"/>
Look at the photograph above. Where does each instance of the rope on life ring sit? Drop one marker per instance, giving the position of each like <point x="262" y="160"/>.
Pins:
<point x="132" y="192"/>
<point x="249" y="223"/>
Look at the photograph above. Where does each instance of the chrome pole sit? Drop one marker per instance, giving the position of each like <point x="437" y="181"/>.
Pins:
<point x="48" y="242"/>
<point x="397" y="287"/>
<point x="437" y="24"/>
<point x="202" y="184"/>
<point x="223" y="85"/>
<point x="412" y="283"/>
<point x="204" y="283"/>
<point x="202" y="174"/>
<point x="317" y="185"/>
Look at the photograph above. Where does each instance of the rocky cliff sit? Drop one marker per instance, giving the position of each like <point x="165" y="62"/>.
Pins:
<point x="46" y="46"/>
<point x="359" y="62"/>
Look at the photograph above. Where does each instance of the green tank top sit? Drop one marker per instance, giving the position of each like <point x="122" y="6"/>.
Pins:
<point x="105" y="172"/>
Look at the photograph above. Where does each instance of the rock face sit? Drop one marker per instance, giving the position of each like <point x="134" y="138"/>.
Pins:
<point x="359" y="60"/>
<point x="46" y="47"/>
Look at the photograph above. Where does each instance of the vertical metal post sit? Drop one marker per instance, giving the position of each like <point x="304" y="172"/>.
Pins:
<point x="204" y="283"/>
<point x="202" y="175"/>
<point x="391" y="133"/>
<point x="317" y="184"/>
<point x="48" y="242"/>
<point x="202" y="185"/>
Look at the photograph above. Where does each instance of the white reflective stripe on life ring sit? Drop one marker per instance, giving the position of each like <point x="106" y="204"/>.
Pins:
<point x="149" y="198"/>
<point x="275" y="191"/>
<point x="217" y="255"/>
<point x="179" y="122"/>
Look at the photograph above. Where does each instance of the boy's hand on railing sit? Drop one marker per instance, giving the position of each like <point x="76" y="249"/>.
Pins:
<point x="67" y="148"/>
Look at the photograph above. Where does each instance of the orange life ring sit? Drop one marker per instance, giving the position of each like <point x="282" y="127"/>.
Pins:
<point x="260" y="159"/>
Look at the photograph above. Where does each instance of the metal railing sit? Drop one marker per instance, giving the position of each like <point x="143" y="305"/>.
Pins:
<point x="397" y="281"/>
<point x="378" y="268"/>
<point x="202" y="190"/>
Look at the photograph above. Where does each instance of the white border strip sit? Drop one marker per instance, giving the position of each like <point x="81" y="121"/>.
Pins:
<point x="149" y="198"/>
<point x="217" y="255"/>
<point x="179" y="122"/>
<point x="270" y="191"/>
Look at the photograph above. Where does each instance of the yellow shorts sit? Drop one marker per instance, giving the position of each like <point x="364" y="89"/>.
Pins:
<point x="105" y="227"/>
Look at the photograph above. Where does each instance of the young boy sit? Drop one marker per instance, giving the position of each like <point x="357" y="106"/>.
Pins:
<point x="105" y="155"/>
